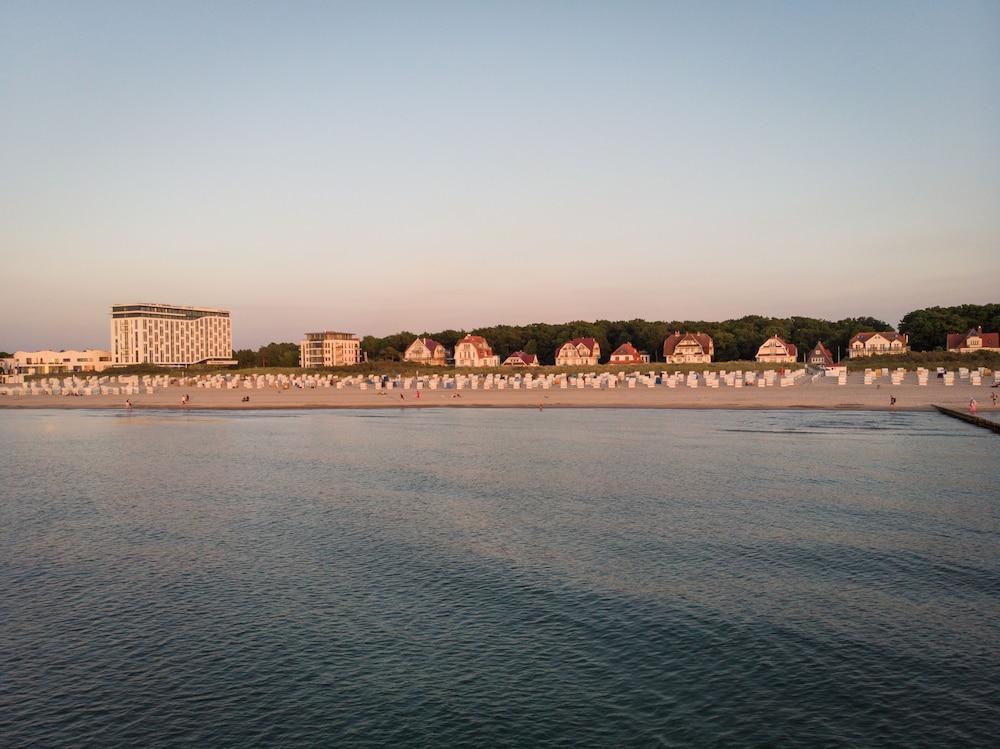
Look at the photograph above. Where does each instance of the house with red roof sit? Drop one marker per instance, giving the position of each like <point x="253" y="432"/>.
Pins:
<point x="474" y="351"/>
<point x="774" y="351"/>
<point x="521" y="359"/>
<point x="578" y="352"/>
<point x="880" y="343"/>
<point x="688" y="348"/>
<point x="628" y="354"/>
<point x="974" y="340"/>
<point x="426" y="351"/>
<point x="820" y="357"/>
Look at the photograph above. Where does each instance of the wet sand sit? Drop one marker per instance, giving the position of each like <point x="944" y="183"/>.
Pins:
<point x="825" y="394"/>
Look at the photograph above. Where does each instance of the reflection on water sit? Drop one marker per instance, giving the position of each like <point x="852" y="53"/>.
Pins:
<point x="494" y="577"/>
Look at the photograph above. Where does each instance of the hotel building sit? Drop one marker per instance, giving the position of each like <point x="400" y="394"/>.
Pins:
<point x="170" y="336"/>
<point x="329" y="349"/>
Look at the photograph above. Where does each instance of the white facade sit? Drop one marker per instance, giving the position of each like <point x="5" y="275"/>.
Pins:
<point x="877" y="344"/>
<point x="628" y="354"/>
<point x="688" y="348"/>
<point x="329" y="349"/>
<point x="57" y="362"/>
<point x="578" y="352"/>
<point x="521" y="359"/>
<point x="776" y="351"/>
<point x="169" y="335"/>
<point x="474" y="351"/>
<point x="426" y="351"/>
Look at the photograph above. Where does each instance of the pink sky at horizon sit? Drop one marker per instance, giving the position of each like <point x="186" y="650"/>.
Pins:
<point x="382" y="167"/>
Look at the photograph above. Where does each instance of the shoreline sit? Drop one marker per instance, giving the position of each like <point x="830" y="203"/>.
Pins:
<point x="823" y="395"/>
<point x="529" y="406"/>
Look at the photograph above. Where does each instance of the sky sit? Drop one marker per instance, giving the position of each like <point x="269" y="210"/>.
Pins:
<point x="376" y="166"/>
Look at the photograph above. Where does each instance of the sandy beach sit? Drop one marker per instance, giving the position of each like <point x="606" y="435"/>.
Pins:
<point x="824" y="394"/>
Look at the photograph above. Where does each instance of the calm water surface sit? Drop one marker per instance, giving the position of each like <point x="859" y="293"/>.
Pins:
<point x="498" y="578"/>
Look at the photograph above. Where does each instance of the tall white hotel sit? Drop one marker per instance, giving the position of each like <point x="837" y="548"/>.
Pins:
<point x="169" y="335"/>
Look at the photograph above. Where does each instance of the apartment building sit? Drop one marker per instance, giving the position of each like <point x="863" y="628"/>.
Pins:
<point x="57" y="362"/>
<point x="329" y="348"/>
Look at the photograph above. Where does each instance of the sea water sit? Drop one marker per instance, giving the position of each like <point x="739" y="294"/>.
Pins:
<point x="461" y="577"/>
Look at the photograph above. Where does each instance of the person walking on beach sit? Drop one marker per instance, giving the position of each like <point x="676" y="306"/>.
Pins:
<point x="892" y="401"/>
<point x="994" y="399"/>
<point x="128" y="404"/>
<point x="972" y="406"/>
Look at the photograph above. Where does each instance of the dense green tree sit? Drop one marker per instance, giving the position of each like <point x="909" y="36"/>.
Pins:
<point x="245" y="357"/>
<point x="928" y="328"/>
<point x="734" y="339"/>
<point x="271" y="355"/>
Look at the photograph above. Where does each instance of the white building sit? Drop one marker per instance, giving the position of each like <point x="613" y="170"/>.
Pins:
<point x="688" y="348"/>
<point x="426" y="351"/>
<point x="329" y="348"/>
<point x="474" y="351"/>
<point x="578" y="352"/>
<point x="775" y="351"/>
<point x="877" y="344"/>
<point x="628" y="354"/>
<point x="57" y="362"/>
<point x="521" y="359"/>
<point x="170" y="336"/>
<point x="973" y="341"/>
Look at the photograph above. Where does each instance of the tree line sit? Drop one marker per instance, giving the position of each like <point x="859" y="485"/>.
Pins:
<point x="928" y="328"/>
<point x="271" y="355"/>
<point x="734" y="339"/>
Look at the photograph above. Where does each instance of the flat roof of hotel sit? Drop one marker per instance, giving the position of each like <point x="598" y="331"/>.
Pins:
<point x="168" y="306"/>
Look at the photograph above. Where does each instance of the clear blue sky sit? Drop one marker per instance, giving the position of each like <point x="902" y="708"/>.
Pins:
<point x="378" y="166"/>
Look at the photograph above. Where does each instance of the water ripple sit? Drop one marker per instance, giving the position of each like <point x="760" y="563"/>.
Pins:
<point x="449" y="579"/>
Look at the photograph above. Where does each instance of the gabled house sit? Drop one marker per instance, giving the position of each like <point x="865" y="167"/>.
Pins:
<point x="688" y="348"/>
<point x="521" y="359"/>
<point x="426" y="351"/>
<point x="972" y="341"/>
<point x="578" y="352"/>
<point x="628" y="354"/>
<point x="820" y="357"/>
<point x="474" y="351"/>
<point x="879" y="343"/>
<point x="774" y="350"/>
